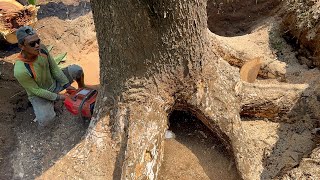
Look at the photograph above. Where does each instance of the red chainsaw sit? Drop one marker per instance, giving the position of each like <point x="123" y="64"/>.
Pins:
<point x="81" y="102"/>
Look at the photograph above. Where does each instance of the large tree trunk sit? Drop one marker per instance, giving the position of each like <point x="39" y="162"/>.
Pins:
<point x="155" y="56"/>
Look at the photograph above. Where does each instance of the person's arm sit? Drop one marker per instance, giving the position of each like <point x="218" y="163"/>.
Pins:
<point x="30" y="85"/>
<point x="56" y="71"/>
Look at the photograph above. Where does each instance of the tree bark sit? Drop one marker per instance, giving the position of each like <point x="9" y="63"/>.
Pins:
<point x="155" y="57"/>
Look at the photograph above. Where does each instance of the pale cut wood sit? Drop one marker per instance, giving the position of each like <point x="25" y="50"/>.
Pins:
<point x="249" y="71"/>
<point x="10" y="6"/>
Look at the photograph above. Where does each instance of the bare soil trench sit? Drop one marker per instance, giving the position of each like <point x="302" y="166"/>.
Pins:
<point x="195" y="153"/>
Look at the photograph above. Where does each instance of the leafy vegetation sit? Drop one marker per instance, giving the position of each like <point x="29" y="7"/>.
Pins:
<point x="33" y="2"/>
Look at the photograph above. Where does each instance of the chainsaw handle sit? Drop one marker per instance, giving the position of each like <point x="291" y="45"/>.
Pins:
<point x="81" y="95"/>
<point x="70" y="91"/>
<point x="78" y="96"/>
<point x="86" y="97"/>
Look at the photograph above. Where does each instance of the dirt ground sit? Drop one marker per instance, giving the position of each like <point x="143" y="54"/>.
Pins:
<point x="26" y="152"/>
<point x="195" y="153"/>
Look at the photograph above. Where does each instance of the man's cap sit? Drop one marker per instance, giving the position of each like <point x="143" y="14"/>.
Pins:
<point x="23" y="32"/>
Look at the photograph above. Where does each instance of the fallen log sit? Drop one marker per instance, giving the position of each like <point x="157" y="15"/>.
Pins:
<point x="272" y="101"/>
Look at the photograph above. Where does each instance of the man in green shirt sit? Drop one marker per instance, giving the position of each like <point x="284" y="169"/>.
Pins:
<point x="40" y="76"/>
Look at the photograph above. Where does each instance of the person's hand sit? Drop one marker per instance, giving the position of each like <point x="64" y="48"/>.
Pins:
<point x="61" y="97"/>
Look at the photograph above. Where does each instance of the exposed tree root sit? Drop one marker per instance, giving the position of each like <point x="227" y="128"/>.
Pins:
<point x="268" y="69"/>
<point x="269" y="101"/>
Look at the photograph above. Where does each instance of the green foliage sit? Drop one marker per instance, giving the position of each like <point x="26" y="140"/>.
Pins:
<point x="33" y="2"/>
<point x="60" y="58"/>
<point x="50" y="47"/>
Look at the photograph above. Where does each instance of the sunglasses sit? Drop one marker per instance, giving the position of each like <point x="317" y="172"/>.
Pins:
<point x="33" y="43"/>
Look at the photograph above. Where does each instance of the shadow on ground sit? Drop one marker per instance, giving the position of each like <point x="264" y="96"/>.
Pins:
<point x="63" y="11"/>
<point x="25" y="151"/>
<point x="236" y="18"/>
<point x="7" y="49"/>
<point x="295" y="138"/>
<point x="195" y="153"/>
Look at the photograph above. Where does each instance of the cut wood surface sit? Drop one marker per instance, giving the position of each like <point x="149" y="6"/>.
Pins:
<point x="10" y="6"/>
<point x="249" y="71"/>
